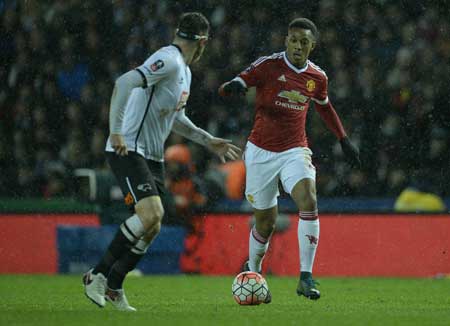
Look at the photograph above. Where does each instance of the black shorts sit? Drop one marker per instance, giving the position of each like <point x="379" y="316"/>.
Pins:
<point x="137" y="177"/>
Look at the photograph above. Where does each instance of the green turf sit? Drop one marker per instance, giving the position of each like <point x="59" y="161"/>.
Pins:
<point x="194" y="300"/>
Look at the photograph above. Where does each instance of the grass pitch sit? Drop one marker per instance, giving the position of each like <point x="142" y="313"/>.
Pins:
<point x="199" y="300"/>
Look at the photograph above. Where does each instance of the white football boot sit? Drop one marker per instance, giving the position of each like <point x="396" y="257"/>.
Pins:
<point x="118" y="299"/>
<point x="95" y="287"/>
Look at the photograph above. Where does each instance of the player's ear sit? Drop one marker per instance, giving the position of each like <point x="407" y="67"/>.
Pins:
<point x="313" y="45"/>
<point x="286" y="41"/>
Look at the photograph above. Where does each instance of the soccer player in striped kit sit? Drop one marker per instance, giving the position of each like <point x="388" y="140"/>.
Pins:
<point x="277" y="149"/>
<point x="147" y="104"/>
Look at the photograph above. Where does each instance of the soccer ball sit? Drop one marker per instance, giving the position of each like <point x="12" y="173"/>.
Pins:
<point x="249" y="288"/>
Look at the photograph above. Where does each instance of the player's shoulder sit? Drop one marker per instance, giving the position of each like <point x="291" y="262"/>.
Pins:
<point x="268" y="59"/>
<point x="167" y="59"/>
<point x="315" y="69"/>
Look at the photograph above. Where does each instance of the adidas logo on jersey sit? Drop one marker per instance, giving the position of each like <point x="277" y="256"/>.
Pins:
<point x="282" y="78"/>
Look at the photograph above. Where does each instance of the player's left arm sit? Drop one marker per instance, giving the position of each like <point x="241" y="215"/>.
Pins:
<point x="332" y="121"/>
<point x="221" y="147"/>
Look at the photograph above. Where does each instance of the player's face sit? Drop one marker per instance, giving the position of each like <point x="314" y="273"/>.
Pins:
<point x="299" y="44"/>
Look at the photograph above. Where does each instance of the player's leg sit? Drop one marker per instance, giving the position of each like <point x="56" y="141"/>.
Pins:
<point x="262" y="176"/>
<point x="129" y="260"/>
<point x="140" y="191"/>
<point x="115" y="293"/>
<point x="149" y="212"/>
<point x="137" y="183"/>
<point x="298" y="178"/>
<point x="304" y="195"/>
<point x="259" y="238"/>
<point x="261" y="191"/>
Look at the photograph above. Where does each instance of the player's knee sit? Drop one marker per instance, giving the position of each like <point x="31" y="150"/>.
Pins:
<point x="265" y="228"/>
<point x="151" y="219"/>
<point x="265" y="221"/>
<point x="154" y="218"/>
<point x="158" y="214"/>
<point x="150" y="212"/>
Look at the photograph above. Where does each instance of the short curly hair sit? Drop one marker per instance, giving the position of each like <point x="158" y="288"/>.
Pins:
<point x="304" y="23"/>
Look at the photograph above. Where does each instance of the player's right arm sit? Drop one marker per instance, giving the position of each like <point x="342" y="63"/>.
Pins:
<point x="250" y="77"/>
<point x="154" y="69"/>
<point x="122" y="90"/>
<point x="232" y="87"/>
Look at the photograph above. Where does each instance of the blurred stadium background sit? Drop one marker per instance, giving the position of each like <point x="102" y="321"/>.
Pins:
<point x="388" y="63"/>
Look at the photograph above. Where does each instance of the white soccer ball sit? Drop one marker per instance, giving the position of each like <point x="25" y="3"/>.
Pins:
<point x="249" y="288"/>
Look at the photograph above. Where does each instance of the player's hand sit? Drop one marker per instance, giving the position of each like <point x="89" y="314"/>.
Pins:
<point x="351" y="152"/>
<point x="118" y="144"/>
<point x="223" y="148"/>
<point x="233" y="88"/>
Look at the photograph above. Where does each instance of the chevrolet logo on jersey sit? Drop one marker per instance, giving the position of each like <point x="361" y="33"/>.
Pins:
<point x="293" y="96"/>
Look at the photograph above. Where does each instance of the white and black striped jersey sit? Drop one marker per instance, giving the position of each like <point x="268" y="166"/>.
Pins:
<point x="151" y="110"/>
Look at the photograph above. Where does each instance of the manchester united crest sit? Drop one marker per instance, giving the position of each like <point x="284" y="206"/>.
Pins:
<point x="310" y="85"/>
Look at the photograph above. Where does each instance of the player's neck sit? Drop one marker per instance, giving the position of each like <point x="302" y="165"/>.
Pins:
<point x="187" y="50"/>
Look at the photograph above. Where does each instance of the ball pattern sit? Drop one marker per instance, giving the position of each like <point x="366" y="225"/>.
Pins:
<point x="249" y="288"/>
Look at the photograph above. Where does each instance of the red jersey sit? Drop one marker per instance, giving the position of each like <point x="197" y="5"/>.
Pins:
<point x="283" y="93"/>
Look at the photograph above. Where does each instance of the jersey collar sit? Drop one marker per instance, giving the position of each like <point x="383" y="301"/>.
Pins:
<point x="179" y="49"/>
<point x="290" y="65"/>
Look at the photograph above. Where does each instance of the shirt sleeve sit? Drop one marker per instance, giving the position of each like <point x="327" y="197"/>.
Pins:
<point x="186" y="128"/>
<point x="253" y="75"/>
<point x="321" y="95"/>
<point x="331" y="119"/>
<point x="157" y="67"/>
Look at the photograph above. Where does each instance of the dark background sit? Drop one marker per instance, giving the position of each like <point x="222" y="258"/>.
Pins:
<point x="388" y="64"/>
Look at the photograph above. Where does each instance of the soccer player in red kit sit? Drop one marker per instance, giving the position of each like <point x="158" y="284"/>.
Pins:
<point x="277" y="149"/>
